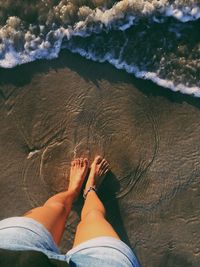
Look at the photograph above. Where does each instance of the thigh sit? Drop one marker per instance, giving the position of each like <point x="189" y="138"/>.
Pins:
<point x="52" y="217"/>
<point x="47" y="215"/>
<point x="94" y="225"/>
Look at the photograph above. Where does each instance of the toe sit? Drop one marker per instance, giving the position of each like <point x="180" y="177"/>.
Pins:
<point x="105" y="167"/>
<point x="76" y="162"/>
<point x="106" y="170"/>
<point x="103" y="163"/>
<point x="81" y="162"/>
<point x="73" y="162"/>
<point x="98" y="159"/>
<point x="85" y="162"/>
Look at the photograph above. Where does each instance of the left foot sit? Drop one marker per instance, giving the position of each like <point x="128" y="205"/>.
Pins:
<point x="78" y="171"/>
<point x="98" y="170"/>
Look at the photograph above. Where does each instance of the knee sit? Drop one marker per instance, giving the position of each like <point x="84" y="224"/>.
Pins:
<point x="57" y="206"/>
<point x="93" y="215"/>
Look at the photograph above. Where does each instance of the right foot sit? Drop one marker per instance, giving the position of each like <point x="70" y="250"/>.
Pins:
<point x="78" y="171"/>
<point x="98" y="170"/>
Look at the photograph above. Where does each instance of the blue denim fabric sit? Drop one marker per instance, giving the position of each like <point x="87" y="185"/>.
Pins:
<point x="21" y="233"/>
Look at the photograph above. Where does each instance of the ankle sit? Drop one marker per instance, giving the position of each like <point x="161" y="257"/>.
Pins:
<point x="88" y="190"/>
<point x="72" y="194"/>
<point x="90" y="183"/>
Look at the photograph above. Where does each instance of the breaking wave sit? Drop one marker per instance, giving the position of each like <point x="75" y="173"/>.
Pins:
<point x="156" y="40"/>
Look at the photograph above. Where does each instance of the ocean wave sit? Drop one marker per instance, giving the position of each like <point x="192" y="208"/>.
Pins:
<point x="133" y="69"/>
<point x="40" y="29"/>
<point x="175" y="66"/>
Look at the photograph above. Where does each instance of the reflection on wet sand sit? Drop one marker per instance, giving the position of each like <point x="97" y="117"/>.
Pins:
<point x="54" y="111"/>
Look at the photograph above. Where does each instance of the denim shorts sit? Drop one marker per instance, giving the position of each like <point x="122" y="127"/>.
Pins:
<point x="22" y="233"/>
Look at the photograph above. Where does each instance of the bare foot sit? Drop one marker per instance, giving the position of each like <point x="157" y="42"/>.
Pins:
<point x="78" y="171"/>
<point x="99" y="168"/>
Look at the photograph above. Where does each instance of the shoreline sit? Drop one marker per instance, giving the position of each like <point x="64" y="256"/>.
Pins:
<point x="52" y="111"/>
<point x="66" y="58"/>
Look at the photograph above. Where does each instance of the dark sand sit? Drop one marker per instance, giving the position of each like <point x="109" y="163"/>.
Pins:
<point x="52" y="111"/>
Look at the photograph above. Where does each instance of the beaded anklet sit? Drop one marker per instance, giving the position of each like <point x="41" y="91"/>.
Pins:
<point x="91" y="188"/>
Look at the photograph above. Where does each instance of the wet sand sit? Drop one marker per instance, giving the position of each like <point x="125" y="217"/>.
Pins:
<point x="53" y="111"/>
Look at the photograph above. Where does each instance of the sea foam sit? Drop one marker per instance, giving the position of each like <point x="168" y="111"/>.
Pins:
<point x="133" y="69"/>
<point x="23" y="40"/>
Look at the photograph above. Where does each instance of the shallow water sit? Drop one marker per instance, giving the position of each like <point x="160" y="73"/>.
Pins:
<point x="54" y="111"/>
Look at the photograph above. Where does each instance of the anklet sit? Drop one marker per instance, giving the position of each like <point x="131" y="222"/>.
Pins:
<point x="92" y="188"/>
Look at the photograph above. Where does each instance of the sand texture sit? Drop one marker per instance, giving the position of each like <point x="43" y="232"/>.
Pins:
<point x="53" y="111"/>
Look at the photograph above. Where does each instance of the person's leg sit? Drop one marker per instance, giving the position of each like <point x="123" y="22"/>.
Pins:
<point x="54" y="212"/>
<point x="93" y="222"/>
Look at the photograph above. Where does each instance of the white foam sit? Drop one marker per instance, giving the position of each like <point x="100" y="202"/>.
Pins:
<point x="33" y="50"/>
<point x="121" y="16"/>
<point x="184" y="14"/>
<point x="125" y="14"/>
<point x="45" y="50"/>
<point x="119" y="64"/>
<point x="132" y="10"/>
